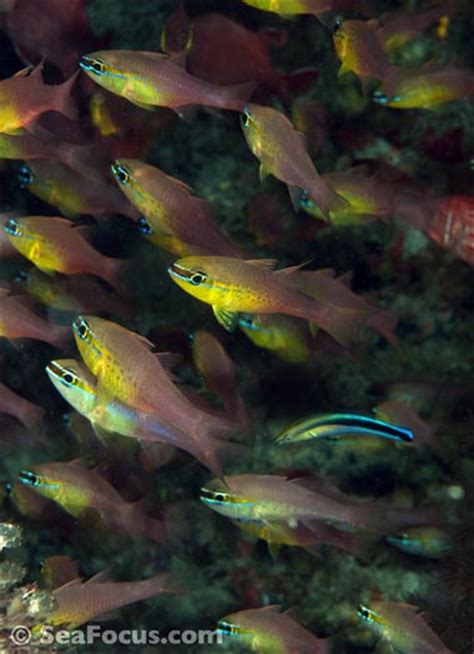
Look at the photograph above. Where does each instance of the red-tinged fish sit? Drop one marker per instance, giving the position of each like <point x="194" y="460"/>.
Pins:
<point x="58" y="570"/>
<point x="54" y="30"/>
<point x="29" y="147"/>
<point x="272" y="497"/>
<point x="75" y="294"/>
<point x="310" y="537"/>
<point x="301" y="7"/>
<point x="72" y="193"/>
<point x="399" y="27"/>
<point x="218" y="371"/>
<point x="172" y="217"/>
<point x="26" y="412"/>
<point x="281" y="151"/>
<point x="111" y="416"/>
<point x="402" y="628"/>
<point x="289" y="338"/>
<point x="221" y="51"/>
<point x="78" y="602"/>
<point x="233" y="287"/>
<point x="126" y="368"/>
<point x="24" y="97"/>
<point x="79" y="490"/>
<point x="17" y="320"/>
<point x="53" y="245"/>
<point x="358" y="47"/>
<point x="151" y="79"/>
<point x="368" y="196"/>
<point x="428" y="88"/>
<point x="450" y="223"/>
<point x="268" y="631"/>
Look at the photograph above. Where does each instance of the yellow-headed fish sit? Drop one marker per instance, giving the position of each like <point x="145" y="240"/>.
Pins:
<point x="280" y="148"/>
<point x="401" y="627"/>
<point x="172" y="217"/>
<point x="268" y="631"/>
<point x="79" y="490"/>
<point x="151" y="79"/>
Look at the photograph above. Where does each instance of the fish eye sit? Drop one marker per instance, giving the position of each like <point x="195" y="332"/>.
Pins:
<point x="121" y="173"/>
<point x="363" y="612"/>
<point x="380" y="97"/>
<point x="69" y="378"/>
<point x="144" y="226"/>
<point x="81" y="328"/>
<point x="246" y="118"/>
<point x="29" y="478"/>
<point x="25" y="176"/>
<point x="12" y="227"/>
<point x="197" y="278"/>
<point x="96" y="66"/>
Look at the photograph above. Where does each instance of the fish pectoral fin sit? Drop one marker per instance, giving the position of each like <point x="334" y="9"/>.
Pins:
<point x="296" y="195"/>
<point x="187" y="113"/>
<point x="228" y="319"/>
<point x="274" y="549"/>
<point x="263" y="173"/>
<point x="343" y="70"/>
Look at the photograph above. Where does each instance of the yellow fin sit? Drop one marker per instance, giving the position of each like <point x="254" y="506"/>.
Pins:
<point x="228" y="319"/>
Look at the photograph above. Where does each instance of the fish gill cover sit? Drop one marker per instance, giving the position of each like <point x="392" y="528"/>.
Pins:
<point x="236" y="317"/>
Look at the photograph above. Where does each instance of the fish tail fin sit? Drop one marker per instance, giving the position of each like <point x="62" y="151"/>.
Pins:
<point x="113" y="272"/>
<point x="59" y="337"/>
<point x="64" y="103"/>
<point x="31" y="416"/>
<point x="391" y="80"/>
<point x="385" y="323"/>
<point x="236" y="97"/>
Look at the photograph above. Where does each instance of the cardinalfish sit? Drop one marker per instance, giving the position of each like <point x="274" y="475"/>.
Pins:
<point x="78" y="602"/>
<point x="79" y="490"/>
<point x="289" y="338"/>
<point x="172" y="217"/>
<point x="151" y="79"/>
<point x="428" y="88"/>
<point x="335" y="426"/>
<point x="428" y="542"/>
<point x="268" y="631"/>
<point x="273" y="498"/>
<point x="53" y="245"/>
<point x="17" y="320"/>
<point x="280" y="148"/>
<point x="24" y="97"/>
<point x="218" y="371"/>
<point x="358" y="47"/>
<point x="234" y="287"/>
<point x="402" y="628"/>
<point x="109" y="415"/>
<point x="301" y="7"/>
<point x="72" y="193"/>
<point x="368" y="197"/>
<point x="126" y="368"/>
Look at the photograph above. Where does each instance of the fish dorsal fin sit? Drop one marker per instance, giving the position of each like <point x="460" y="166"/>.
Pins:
<point x="291" y="613"/>
<point x="168" y="360"/>
<point x="271" y="608"/>
<point x="100" y="577"/>
<point x="179" y="59"/>
<point x="269" y="264"/>
<point x="144" y="340"/>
